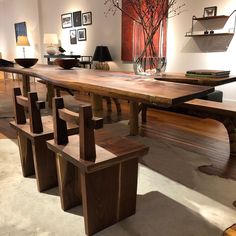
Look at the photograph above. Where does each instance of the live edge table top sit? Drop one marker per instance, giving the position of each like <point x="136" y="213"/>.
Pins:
<point x="116" y="84"/>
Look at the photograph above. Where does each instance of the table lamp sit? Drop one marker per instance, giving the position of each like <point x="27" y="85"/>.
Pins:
<point x="50" y="40"/>
<point x="102" y="55"/>
<point x="22" y="41"/>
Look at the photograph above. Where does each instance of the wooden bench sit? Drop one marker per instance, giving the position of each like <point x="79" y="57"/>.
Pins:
<point x="32" y="134"/>
<point x="223" y="112"/>
<point x="103" y="175"/>
<point x="231" y="231"/>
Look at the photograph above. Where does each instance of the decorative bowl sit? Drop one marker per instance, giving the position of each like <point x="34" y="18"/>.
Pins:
<point x="66" y="63"/>
<point x="26" y="62"/>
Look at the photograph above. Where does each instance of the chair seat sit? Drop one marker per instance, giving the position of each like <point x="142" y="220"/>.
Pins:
<point x="109" y="151"/>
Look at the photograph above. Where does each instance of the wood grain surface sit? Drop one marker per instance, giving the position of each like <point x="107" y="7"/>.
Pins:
<point x="115" y="84"/>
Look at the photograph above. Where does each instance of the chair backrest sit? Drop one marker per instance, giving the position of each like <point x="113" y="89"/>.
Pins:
<point x="34" y="106"/>
<point x="87" y="123"/>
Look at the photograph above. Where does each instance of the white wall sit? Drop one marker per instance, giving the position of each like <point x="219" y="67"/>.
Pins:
<point x="15" y="11"/>
<point x="103" y="31"/>
<point x="186" y="53"/>
<point x="44" y="16"/>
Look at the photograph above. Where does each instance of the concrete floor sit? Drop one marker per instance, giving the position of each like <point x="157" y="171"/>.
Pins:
<point x="164" y="206"/>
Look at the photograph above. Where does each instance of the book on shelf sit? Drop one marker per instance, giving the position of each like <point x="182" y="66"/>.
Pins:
<point x="208" y="73"/>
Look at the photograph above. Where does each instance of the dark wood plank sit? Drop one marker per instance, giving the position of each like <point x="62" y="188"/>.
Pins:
<point x="110" y="152"/>
<point x="86" y="134"/>
<point x="69" y="116"/>
<point x="45" y="165"/>
<point x="19" y="111"/>
<point x="100" y="191"/>
<point x="59" y="125"/>
<point x="69" y="183"/>
<point x="26" y="84"/>
<point x="26" y="155"/>
<point x="128" y="188"/>
<point x="134" y="122"/>
<point x="36" y="125"/>
<point x="225" y="108"/>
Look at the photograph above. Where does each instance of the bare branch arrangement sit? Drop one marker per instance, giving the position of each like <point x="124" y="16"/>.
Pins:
<point x="149" y="14"/>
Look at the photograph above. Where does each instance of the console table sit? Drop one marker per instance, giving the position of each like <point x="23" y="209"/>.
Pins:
<point x="83" y="60"/>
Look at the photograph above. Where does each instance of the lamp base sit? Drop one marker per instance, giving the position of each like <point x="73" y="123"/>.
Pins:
<point x="102" y="66"/>
<point x="51" y="50"/>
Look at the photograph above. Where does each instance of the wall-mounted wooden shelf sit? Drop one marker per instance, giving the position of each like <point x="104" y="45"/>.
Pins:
<point x="210" y="18"/>
<point x="208" y="35"/>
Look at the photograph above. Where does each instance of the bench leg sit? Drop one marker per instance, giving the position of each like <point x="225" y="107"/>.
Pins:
<point x="97" y="105"/>
<point x="45" y="166"/>
<point x="109" y="195"/>
<point x="224" y="171"/>
<point x="69" y="183"/>
<point x="134" y="111"/>
<point x="26" y="155"/>
<point x="117" y="103"/>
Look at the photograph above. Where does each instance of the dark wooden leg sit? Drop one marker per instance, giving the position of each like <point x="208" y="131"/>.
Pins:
<point x="128" y="188"/>
<point x="134" y="110"/>
<point x="117" y="103"/>
<point x="26" y="155"/>
<point x="69" y="183"/>
<point x="50" y="94"/>
<point x="97" y="105"/>
<point x="45" y="166"/>
<point x="26" y="85"/>
<point x="108" y="100"/>
<point x="143" y="109"/>
<point x="109" y="195"/>
<point x="224" y="170"/>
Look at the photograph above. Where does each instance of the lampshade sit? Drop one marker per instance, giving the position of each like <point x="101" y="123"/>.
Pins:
<point x="50" y="39"/>
<point x="102" y="54"/>
<point x="22" y="41"/>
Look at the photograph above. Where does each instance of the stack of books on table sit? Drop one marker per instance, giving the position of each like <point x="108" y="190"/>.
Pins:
<point x="208" y="73"/>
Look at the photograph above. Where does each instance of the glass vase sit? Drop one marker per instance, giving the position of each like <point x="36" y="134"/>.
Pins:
<point x="148" y="58"/>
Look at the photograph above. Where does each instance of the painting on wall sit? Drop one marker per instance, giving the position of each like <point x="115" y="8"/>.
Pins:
<point x="87" y="18"/>
<point x="77" y="18"/>
<point x="73" y="39"/>
<point x="127" y="33"/>
<point x="20" y="29"/>
<point x="66" y="20"/>
<point x="81" y="34"/>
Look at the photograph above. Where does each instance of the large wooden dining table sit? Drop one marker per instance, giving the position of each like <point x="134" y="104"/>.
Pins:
<point x="134" y="88"/>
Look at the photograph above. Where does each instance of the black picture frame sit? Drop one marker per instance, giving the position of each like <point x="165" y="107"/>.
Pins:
<point x="87" y="18"/>
<point x="81" y="34"/>
<point x="20" y="29"/>
<point x="77" y="19"/>
<point x="66" y="20"/>
<point x="210" y="11"/>
<point x="73" y="38"/>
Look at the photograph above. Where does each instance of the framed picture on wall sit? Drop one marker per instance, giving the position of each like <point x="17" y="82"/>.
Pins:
<point x="210" y="11"/>
<point x="66" y="20"/>
<point x="87" y="18"/>
<point x="73" y="38"/>
<point x="20" y="29"/>
<point x="81" y="34"/>
<point x="77" y="18"/>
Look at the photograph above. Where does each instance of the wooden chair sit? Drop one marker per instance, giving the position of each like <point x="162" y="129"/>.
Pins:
<point x="32" y="134"/>
<point x="102" y="176"/>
